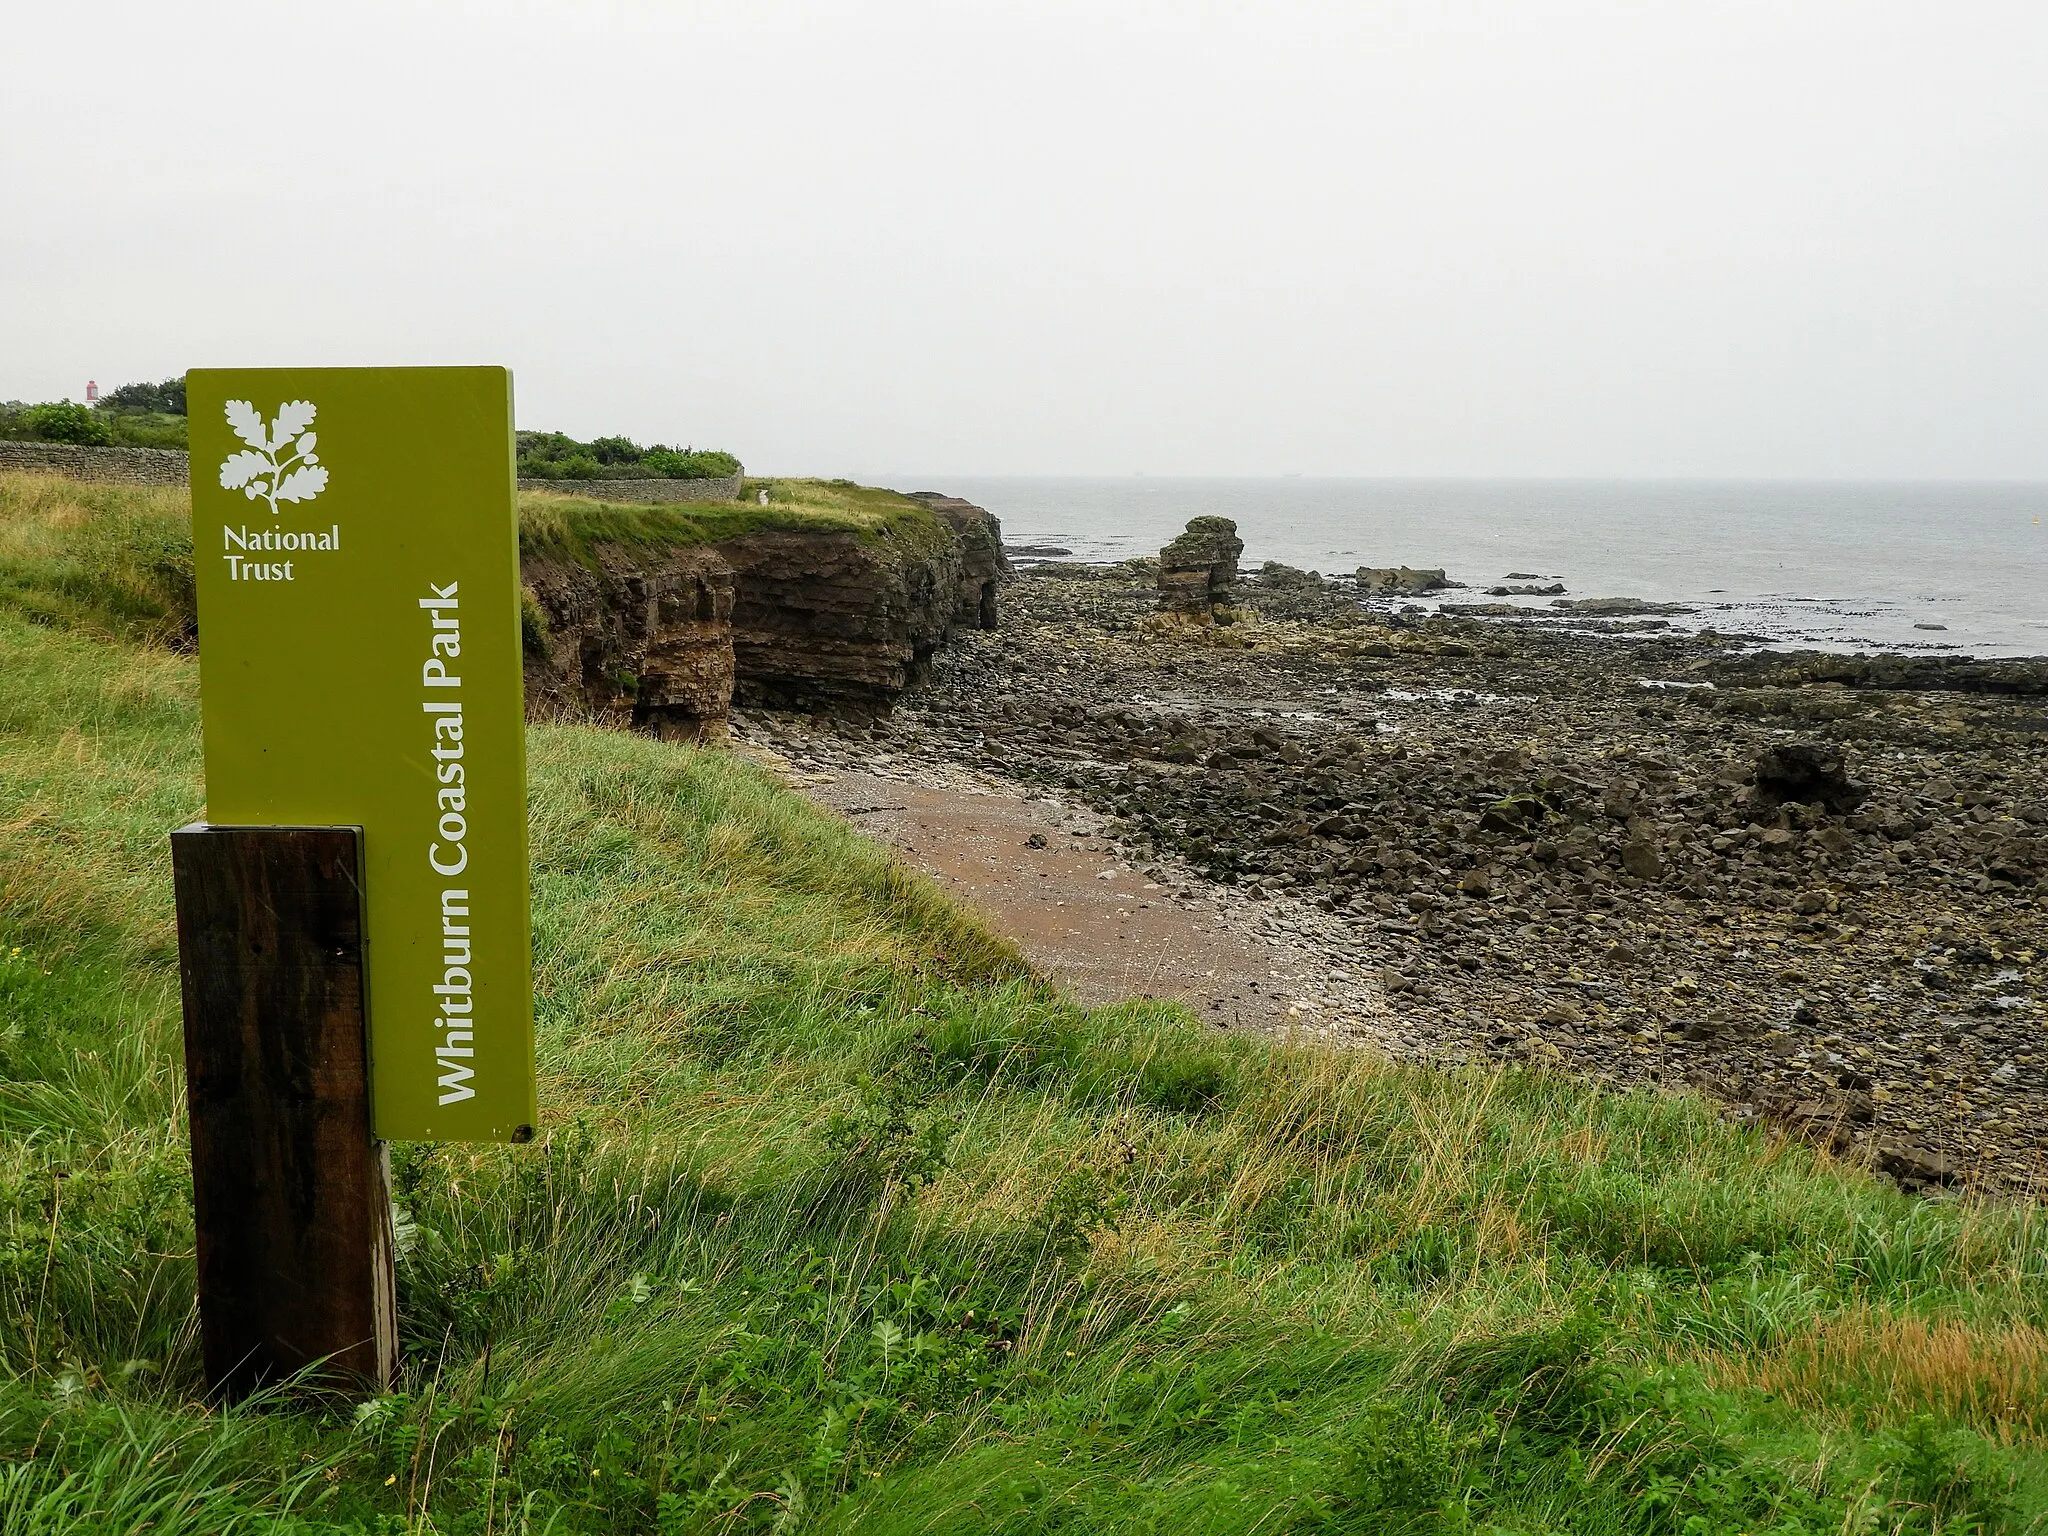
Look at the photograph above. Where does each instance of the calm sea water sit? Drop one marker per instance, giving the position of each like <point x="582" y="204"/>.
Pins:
<point x="1838" y="564"/>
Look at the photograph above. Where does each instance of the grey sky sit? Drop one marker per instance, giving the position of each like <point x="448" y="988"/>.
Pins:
<point x="1522" y="237"/>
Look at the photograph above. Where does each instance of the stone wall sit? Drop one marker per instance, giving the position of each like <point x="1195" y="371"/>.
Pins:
<point x="125" y="466"/>
<point x="167" y="466"/>
<point x="724" y="488"/>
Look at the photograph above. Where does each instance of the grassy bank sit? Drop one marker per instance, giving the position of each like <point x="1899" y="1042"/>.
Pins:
<point x="841" y="1221"/>
<point x="567" y="526"/>
<point x="118" y="559"/>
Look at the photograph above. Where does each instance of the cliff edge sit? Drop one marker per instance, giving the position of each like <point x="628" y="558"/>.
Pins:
<point x="826" y="597"/>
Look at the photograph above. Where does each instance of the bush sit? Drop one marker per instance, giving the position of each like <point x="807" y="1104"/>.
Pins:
<point x="557" y="456"/>
<point x="63" y="422"/>
<point x="146" y="415"/>
<point x="133" y="416"/>
<point x="690" y="463"/>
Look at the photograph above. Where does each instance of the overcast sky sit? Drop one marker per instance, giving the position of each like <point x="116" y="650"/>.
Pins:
<point x="1516" y="238"/>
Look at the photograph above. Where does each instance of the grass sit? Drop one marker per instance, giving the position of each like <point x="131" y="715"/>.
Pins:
<point x="118" y="559"/>
<point x="114" y="558"/>
<point x="840" y="1220"/>
<point x="146" y="429"/>
<point x="565" y="527"/>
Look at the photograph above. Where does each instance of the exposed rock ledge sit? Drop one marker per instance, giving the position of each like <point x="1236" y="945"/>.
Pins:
<point x="664" y="638"/>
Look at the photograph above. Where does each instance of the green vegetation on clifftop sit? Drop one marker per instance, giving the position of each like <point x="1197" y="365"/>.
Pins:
<point x="566" y="527"/>
<point x="554" y="456"/>
<point x="144" y="415"/>
<point x="118" y="559"/>
<point x="842" y="1221"/>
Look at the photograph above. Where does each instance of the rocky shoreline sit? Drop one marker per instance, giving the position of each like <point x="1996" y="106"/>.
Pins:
<point x="1809" y="886"/>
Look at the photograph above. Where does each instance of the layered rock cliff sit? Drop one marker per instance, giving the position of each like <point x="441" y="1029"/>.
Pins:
<point x="984" y="567"/>
<point x="835" y="621"/>
<point x="664" y="637"/>
<point x="641" y="636"/>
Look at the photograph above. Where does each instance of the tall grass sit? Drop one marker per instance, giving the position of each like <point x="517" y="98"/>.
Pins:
<point x="842" y="1220"/>
<point x="112" y="557"/>
<point x="117" y="559"/>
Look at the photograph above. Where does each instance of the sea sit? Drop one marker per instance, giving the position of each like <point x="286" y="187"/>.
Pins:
<point x="1925" y="566"/>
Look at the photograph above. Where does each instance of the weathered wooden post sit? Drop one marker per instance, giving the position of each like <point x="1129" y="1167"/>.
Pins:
<point x="291" y="1199"/>
<point x="353" y="925"/>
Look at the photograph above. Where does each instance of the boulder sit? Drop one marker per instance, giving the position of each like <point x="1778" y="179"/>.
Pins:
<point x="1511" y="815"/>
<point x="1640" y="858"/>
<point x="2017" y="860"/>
<point x="1401" y="581"/>
<point x="1198" y="570"/>
<point x="1288" y="578"/>
<point x="1811" y="773"/>
<point x="1913" y="1165"/>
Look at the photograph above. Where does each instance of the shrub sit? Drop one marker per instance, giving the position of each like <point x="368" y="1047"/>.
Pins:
<point x="1396" y="1473"/>
<point x="691" y="463"/>
<point x="146" y="415"/>
<point x="61" y="421"/>
<point x="557" y="456"/>
<point x="64" y="422"/>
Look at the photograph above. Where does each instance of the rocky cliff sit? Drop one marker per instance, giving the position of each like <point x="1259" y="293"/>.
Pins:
<point x="824" y="619"/>
<point x="640" y="636"/>
<point x="984" y="567"/>
<point x="835" y="621"/>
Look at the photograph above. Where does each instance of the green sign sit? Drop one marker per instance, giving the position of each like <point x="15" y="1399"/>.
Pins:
<point x="355" y="533"/>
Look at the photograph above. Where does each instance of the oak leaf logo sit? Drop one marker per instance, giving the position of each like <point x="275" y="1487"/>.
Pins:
<point x="279" y="464"/>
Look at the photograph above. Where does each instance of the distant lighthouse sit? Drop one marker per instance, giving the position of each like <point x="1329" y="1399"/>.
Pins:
<point x="92" y="392"/>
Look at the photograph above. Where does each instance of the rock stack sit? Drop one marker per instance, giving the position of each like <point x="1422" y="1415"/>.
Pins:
<point x="1198" y="570"/>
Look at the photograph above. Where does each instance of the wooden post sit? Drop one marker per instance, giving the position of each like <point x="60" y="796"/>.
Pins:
<point x="291" y="1195"/>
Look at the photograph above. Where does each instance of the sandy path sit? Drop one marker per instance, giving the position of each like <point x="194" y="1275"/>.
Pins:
<point x="1045" y="877"/>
